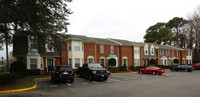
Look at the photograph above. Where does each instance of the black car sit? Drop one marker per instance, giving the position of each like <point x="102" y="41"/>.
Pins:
<point x="62" y="73"/>
<point x="93" y="71"/>
<point x="183" y="68"/>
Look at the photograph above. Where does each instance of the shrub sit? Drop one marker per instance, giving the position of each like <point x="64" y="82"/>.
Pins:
<point x="19" y="68"/>
<point x="33" y="72"/>
<point x="140" y="67"/>
<point x="132" y="67"/>
<point x="19" y="75"/>
<point x="8" y="78"/>
<point x="152" y="62"/>
<point x="122" y="68"/>
<point x="176" y="61"/>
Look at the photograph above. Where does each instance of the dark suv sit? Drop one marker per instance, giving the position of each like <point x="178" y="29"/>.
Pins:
<point x="62" y="73"/>
<point x="93" y="71"/>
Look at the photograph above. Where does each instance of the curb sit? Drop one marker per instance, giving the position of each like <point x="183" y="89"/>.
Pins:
<point x="25" y="89"/>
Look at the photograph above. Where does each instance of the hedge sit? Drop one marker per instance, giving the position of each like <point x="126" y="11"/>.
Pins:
<point x="122" y="68"/>
<point x="33" y="72"/>
<point x="18" y="68"/>
<point x="8" y="78"/>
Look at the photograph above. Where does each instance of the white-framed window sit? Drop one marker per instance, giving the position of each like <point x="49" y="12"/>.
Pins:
<point x="146" y="51"/>
<point x="167" y="52"/>
<point x="187" y="53"/>
<point x="190" y="61"/>
<point x="112" y="49"/>
<point x="69" y="46"/>
<point x="152" y="51"/>
<point x="70" y="61"/>
<point x="177" y="53"/>
<point x="187" y="62"/>
<point x="77" y="62"/>
<point x="136" y="50"/>
<point x="170" y="63"/>
<point x="76" y="46"/>
<point x="172" y="52"/>
<point x="49" y="47"/>
<point x="32" y="43"/>
<point x="33" y="63"/>
<point x="161" y="62"/>
<point x="41" y="64"/>
<point x="161" y="51"/>
<point x="136" y="62"/>
<point x="102" y="49"/>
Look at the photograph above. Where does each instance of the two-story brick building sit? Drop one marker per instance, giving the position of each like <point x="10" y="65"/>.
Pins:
<point x="78" y="49"/>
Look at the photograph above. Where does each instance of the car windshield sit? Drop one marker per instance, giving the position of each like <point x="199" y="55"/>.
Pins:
<point x="156" y="67"/>
<point x="94" y="65"/>
<point x="65" y="68"/>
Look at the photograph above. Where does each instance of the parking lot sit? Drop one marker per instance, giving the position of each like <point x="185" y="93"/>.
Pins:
<point x="170" y="84"/>
<point x="112" y="79"/>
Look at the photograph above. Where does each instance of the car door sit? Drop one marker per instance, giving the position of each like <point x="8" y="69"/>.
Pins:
<point x="85" y="70"/>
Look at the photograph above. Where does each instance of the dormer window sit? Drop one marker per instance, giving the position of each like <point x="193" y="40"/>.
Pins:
<point x="146" y="50"/>
<point x="152" y="50"/>
<point x="49" y="46"/>
<point x="32" y="43"/>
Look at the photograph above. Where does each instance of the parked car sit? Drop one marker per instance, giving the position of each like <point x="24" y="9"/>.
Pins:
<point x="183" y="68"/>
<point x="151" y="70"/>
<point x="93" y="71"/>
<point x="62" y="73"/>
<point x="196" y="66"/>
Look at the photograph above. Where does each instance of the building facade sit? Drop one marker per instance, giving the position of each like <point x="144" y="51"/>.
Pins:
<point x="76" y="50"/>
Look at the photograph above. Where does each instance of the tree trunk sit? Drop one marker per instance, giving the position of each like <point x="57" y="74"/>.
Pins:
<point x="6" y="37"/>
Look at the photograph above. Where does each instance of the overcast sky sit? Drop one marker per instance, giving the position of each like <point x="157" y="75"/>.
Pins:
<point x="123" y="19"/>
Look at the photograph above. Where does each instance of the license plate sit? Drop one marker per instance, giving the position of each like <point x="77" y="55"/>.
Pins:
<point x="102" y="75"/>
<point x="65" y="72"/>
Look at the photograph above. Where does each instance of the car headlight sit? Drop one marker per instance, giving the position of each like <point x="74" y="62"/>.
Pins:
<point x="94" y="72"/>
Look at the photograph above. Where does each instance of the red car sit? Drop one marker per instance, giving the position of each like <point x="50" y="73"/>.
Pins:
<point x="196" y="66"/>
<point x="152" y="70"/>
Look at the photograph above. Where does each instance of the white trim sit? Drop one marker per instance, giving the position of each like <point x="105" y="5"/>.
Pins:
<point x="47" y="64"/>
<point x="104" y="60"/>
<point x="90" y="57"/>
<point x="124" y="57"/>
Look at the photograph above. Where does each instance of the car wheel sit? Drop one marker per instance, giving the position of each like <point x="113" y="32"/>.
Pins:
<point x="154" y="72"/>
<point x="141" y="72"/>
<point x="90" y="78"/>
<point x="72" y="80"/>
<point x="54" y="81"/>
<point x="105" y="78"/>
<point x="160" y="73"/>
<point x="172" y="69"/>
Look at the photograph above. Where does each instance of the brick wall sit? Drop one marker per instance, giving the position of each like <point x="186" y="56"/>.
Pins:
<point x="127" y="51"/>
<point x="89" y="50"/>
<point x="64" y="53"/>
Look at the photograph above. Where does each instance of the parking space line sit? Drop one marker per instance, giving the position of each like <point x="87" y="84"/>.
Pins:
<point x="94" y="82"/>
<point x="108" y="81"/>
<point x="125" y="77"/>
<point x="69" y="84"/>
<point x="84" y="83"/>
<point x="114" y="80"/>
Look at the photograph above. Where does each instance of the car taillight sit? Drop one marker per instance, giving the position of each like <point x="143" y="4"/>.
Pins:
<point x="57" y="72"/>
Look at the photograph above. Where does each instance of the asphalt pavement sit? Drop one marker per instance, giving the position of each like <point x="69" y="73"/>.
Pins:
<point x="170" y="84"/>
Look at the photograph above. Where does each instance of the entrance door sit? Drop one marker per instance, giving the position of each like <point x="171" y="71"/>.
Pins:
<point x="124" y="62"/>
<point x="50" y="64"/>
<point x="102" y="62"/>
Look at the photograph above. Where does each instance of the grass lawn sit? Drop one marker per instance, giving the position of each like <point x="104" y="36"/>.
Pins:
<point x="2" y="73"/>
<point x="26" y="82"/>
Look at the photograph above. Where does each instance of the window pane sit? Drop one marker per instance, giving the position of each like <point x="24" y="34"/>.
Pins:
<point x="77" y="62"/>
<point x="101" y="48"/>
<point x="33" y="63"/>
<point x="70" y="62"/>
<point x="69" y="46"/>
<point x="112" y="49"/>
<point x="76" y="46"/>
